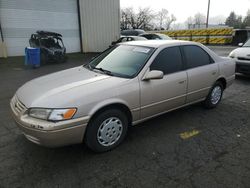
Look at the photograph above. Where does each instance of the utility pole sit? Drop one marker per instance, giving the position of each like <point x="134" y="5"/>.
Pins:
<point x="208" y="9"/>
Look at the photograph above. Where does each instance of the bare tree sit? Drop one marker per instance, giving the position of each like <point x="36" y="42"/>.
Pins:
<point x="169" y="20"/>
<point x="143" y="19"/>
<point x="199" y="19"/>
<point x="189" y="22"/>
<point x="146" y="19"/>
<point x="127" y="18"/>
<point x="165" y="20"/>
<point x="140" y="20"/>
<point x="162" y="16"/>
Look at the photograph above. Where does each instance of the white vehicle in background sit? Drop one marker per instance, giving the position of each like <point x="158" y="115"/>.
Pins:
<point x="242" y="58"/>
<point x="155" y="36"/>
<point x="127" y="39"/>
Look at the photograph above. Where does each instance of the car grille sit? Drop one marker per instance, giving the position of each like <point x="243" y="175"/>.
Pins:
<point x="244" y="58"/>
<point x="18" y="106"/>
<point x="243" y="69"/>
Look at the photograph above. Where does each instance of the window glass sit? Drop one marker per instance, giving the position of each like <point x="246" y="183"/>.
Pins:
<point x="247" y="44"/>
<point x="123" y="60"/>
<point x="155" y="37"/>
<point x="147" y="36"/>
<point x="168" y="61"/>
<point x="195" y="56"/>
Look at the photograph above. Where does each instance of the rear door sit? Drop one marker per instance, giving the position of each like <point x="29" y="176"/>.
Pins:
<point x="159" y="96"/>
<point x="202" y="72"/>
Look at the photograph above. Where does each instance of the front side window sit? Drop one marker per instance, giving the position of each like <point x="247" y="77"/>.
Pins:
<point x="123" y="60"/>
<point x="168" y="61"/>
<point x="196" y="56"/>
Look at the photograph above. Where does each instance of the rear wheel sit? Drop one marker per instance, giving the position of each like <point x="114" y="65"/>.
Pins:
<point x="214" y="96"/>
<point x="106" y="131"/>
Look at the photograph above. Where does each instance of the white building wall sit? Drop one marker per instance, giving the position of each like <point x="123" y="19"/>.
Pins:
<point x="100" y="24"/>
<point x="21" y="18"/>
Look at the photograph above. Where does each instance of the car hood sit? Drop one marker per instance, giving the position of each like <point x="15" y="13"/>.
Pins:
<point x="242" y="52"/>
<point x="46" y="91"/>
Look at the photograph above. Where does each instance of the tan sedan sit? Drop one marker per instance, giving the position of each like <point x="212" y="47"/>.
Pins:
<point x="125" y="85"/>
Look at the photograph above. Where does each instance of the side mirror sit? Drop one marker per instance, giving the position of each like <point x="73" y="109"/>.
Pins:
<point x="240" y="44"/>
<point x="153" y="75"/>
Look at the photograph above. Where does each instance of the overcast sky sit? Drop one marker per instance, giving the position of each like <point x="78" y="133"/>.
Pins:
<point x="182" y="9"/>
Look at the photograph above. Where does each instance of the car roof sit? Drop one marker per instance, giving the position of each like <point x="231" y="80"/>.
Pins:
<point x="158" y="43"/>
<point x="48" y="33"/>
<point x="148" y="34"/>
<point x="134" y="32"/>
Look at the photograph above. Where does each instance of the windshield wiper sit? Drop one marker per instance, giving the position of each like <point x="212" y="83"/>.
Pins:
<point x="102" y="70"/>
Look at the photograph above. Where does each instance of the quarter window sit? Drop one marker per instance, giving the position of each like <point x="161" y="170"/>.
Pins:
<point x="168" y="61"/>
<point x="196" y="56"/>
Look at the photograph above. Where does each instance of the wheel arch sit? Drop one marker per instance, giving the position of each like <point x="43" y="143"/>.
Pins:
<point x="223" y="81"/>
<point x="114" y="105"/>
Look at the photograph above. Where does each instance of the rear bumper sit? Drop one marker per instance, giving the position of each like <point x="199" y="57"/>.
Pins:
<point x="242" y="68"/>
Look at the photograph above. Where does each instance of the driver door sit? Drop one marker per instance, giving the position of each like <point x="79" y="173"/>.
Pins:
<point x="159" y="96"/>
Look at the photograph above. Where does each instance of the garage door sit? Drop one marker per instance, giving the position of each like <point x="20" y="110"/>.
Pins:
<point x="21" y="18"/>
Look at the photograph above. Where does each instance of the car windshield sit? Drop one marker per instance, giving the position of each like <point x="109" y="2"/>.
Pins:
<point x="122" y="61"/>
<point x="165" y="37"/>
<point x="247" y="44"/>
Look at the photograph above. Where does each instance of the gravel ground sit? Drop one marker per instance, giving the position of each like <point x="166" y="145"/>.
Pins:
<point x="191" y="147"/>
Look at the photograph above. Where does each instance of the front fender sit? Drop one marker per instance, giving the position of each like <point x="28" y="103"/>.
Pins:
<point x="135" y="113"/>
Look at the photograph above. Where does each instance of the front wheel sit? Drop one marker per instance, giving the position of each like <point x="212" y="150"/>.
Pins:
<point x="106" y="131"/>
<point x="214" y="96"/>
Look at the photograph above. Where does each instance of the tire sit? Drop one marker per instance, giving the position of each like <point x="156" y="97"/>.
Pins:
<point x="214" y="96"/>
<point x="106" y="131"/>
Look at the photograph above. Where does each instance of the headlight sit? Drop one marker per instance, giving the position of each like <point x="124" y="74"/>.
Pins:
<point x="52" y="114"/>
<point x="232" y="55"/>
<point x="40" y="113"/>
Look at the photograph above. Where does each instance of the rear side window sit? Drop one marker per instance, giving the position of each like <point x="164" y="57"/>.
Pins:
<point x="168" y="61"/>
<point x="196" y="56"/>
<point x="155" y="37"/>
<point x="148" y="36"/>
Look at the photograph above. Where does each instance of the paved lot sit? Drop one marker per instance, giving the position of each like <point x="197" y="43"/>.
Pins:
<point x="191" y="147"/>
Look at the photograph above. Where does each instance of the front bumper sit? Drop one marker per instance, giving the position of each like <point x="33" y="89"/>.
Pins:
<point x="50" y="134"/>
<point x="242" y="67"/>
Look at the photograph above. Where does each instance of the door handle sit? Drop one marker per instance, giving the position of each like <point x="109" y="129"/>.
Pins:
<point x="182" y="82"/>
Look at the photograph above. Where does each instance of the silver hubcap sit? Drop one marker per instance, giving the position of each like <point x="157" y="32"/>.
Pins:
<point x="216" y="95"/>
<point x="110" y="131"/>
